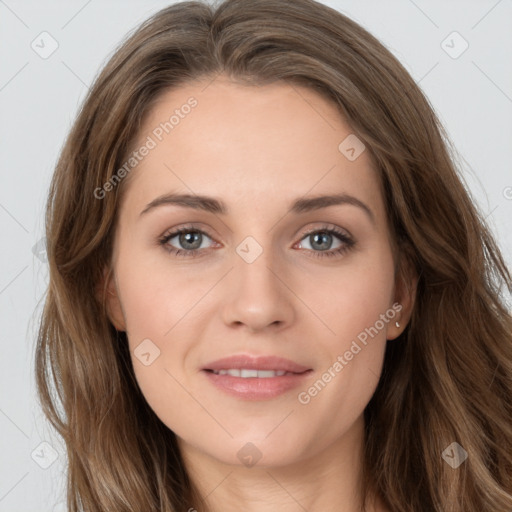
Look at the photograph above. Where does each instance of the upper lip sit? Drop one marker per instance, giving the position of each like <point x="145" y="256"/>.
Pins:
<point x="256" y="363"/>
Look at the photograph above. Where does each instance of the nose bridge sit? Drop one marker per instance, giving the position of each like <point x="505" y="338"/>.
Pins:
<point x="255" y="263"/>
<point x="259" y="298"/>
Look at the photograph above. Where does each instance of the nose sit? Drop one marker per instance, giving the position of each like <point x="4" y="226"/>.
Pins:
<point x="258" y="295"/>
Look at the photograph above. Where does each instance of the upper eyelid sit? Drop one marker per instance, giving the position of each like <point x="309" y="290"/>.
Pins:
<point x="327" y="227"/>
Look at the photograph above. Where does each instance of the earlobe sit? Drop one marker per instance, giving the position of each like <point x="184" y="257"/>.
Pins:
<point x="109" y="295"/>
<point x="405" y="295"/>
<point x="395" y="327"/>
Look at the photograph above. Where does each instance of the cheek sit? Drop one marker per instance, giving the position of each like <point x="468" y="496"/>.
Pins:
<point x="156" y="294"/>
<point x="164" y="316"/>
<point x="355" y="307"/>
<point x="351" y="298"/>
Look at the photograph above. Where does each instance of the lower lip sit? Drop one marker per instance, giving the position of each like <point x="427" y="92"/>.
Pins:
<point x="253" y="388"/>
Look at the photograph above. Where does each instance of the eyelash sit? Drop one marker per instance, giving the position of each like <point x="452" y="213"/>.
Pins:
<point x="348" y="243"/>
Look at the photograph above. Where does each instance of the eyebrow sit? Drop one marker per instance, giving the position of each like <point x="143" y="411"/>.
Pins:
<point x="216" y="206"/>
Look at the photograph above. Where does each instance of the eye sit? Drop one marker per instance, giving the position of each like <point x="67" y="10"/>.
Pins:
<point x="321" y="240"/>
<point x="189" y="238"/>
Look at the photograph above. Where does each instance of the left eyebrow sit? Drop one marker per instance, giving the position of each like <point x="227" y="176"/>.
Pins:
<point x="213" y="205"/>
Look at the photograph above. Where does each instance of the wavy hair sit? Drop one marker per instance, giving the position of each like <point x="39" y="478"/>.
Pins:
<point x="447" y="378"/>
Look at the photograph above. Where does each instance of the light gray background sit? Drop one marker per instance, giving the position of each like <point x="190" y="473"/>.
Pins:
<point x="39" y="98"/>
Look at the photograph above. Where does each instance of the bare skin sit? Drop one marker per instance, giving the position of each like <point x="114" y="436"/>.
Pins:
<point x="258" y="149"/>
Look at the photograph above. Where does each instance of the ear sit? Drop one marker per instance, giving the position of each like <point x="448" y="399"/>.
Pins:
<point x="406" y="284"/>
<point x="108" y="294"/>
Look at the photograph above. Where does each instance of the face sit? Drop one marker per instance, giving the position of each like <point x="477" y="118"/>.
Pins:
<point x="261" y="272"/>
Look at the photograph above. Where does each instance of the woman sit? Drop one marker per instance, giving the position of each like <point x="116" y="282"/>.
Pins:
<point x="334" y="336"/>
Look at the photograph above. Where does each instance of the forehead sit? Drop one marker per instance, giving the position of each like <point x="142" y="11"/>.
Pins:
<point x="222" y="138"/>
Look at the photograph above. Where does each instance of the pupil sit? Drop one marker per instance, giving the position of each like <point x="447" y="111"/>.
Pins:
<point x="190" y="238"/>
<point x="324" y="239"/>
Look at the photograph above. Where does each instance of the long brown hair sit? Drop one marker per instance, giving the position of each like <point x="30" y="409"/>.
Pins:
<point x="448" y="378"/>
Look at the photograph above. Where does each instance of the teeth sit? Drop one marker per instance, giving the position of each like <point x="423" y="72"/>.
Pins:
<point x="245" y="373"/>
<point x="264" y="374"/>
<point x="248" y="373"/>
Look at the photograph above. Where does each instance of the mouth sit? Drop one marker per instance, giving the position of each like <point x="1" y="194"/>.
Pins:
<point x="255" y="377"/>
